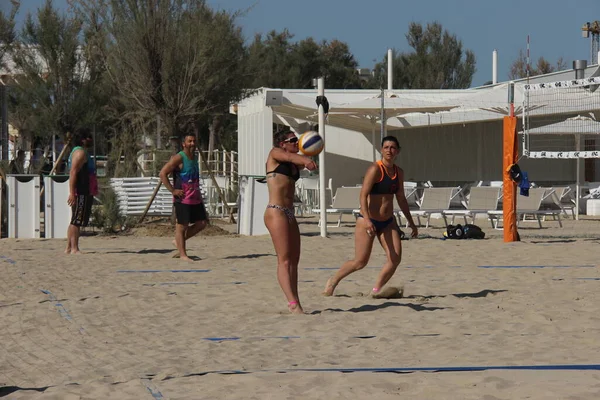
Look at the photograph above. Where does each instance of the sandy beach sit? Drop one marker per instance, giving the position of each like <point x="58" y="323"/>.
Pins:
<point x="128" y="321"/>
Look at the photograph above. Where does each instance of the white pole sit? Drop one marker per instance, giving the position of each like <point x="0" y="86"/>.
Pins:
<point x="54" y="148"/>
<point x="390" y="60"/>
<point x="578" y="172"/>
<point x="373" y="139"/>
<point x="495" y="67"/>
<point x="158" y="139"/>
<point x="322" y="193"/>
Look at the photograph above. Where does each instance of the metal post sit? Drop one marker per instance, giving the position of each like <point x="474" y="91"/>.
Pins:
<point x="95" y="155"/>
<point x="578" y="174"/>
<point x="4" y="122"/>
<point x="322" y="193"/>
<point x="382" y="117"/>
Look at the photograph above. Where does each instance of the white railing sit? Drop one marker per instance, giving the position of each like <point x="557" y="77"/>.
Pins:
<point x="133" y="195"/>
<point x="221" y="163"/>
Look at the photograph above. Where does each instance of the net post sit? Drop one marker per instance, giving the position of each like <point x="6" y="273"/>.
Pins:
<point x="509" y="189"/>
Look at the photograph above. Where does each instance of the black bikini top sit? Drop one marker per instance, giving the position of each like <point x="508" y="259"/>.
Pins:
<point x="387" y="184"/>
<point x="287" y="169"/>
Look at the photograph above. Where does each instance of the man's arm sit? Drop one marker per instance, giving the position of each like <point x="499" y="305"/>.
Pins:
<point x="77" y="160"/>
<point x="167" y="170"/>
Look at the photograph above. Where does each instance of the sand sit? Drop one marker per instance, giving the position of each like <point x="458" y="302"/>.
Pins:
<point x="127" y="321"/>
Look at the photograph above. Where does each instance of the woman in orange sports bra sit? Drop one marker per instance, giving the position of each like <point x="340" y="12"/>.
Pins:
<point x="383" y="180"/>
<point x="283" y="170"/>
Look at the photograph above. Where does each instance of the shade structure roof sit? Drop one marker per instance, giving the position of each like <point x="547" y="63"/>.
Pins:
<point x="355" y="112"/>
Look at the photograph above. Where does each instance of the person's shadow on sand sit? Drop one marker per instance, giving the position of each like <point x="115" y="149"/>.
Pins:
<point x="375" y="307"/>
<point x="417" y="307"/>
<point x="144" y="251"/>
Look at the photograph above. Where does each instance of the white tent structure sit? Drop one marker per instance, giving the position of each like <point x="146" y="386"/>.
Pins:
<point x="447" y="136"/>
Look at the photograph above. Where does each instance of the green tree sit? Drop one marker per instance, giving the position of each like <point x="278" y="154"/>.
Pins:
<point x="518" y="69"/>
<point x="437" y="61"/>
<point x="7" y="32"/>
<point x="56" y="89"/>
<point x="269" y="60"/>
<point x="173" y="59"/>
<point x="277" y="62"/>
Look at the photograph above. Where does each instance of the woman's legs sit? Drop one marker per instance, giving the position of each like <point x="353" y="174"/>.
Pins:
<point x="363" y="244"/>
<point x="286" y="240"/>
<point x="392" y="244"/>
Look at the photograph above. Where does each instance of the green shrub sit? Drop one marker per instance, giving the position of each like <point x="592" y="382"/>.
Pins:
<point x="106" y="215"/>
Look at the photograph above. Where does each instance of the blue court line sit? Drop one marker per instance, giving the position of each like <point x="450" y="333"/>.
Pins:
<point x="233" y="338"/>
<point x="151" y="271"/>
<point x="556" y="367"/>
<point x="170" y="283"/>
<point x="404" y="266"/>
<point x="536" y="266"/>
<point x="152" y="389"/>
<point x="61" y="309"/>
<point x="8" y="260"/>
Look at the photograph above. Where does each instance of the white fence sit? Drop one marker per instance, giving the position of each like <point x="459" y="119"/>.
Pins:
<point x="221" y="162"/>
<point x="133" y="195"/>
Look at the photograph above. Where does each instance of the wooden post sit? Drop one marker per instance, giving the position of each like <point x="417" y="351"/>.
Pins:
<point x="156" y="189"/>
<point x="58" y="159"/>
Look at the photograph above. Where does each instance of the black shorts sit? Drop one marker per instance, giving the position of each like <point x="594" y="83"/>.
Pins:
<point x="81" y="210"/>
<point x="190" y="213"/>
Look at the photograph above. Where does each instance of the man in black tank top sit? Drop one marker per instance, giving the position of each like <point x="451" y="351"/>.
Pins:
<point x="80" y="198"/>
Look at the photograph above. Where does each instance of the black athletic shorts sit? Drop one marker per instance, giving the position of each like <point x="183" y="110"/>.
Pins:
<point x="190" y="213"/>
<point x="81" y="210"/>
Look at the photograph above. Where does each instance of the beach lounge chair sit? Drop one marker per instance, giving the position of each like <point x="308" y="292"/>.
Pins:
<point x="434" y="201"/>
<point x="529" y="206"/>
<point x="481" y="200"/>
<point x="561" y="198"/>
<point x="345" y="201"/>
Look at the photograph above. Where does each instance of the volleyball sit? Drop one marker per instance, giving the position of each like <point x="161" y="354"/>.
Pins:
<point x="311" y="143"/>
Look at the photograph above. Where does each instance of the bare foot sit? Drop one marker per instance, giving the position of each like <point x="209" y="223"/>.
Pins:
<point x="388" y="293"/>
<point x="295" y="308"/>
<point x="329" y="287"/>
<point x="186" y="258"/>
<point x="76" y="251"/>
<point x="68" y="250"/>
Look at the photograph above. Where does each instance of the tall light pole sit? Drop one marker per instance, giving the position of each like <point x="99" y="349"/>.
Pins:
<point x="593" y="29"/>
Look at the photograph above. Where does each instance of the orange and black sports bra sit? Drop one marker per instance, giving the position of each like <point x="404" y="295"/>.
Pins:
<point x="386" y="184"/>
<point x="287" y="169"/>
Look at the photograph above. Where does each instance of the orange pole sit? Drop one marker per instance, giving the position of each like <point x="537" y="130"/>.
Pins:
<point x="509" y="187"/>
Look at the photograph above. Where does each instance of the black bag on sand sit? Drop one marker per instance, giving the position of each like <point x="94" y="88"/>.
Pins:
<point x="468" y="231"/>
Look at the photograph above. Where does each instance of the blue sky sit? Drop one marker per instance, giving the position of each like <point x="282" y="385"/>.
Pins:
<point x="371" y="27"/>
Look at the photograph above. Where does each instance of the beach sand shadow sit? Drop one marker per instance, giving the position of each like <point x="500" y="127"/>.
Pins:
<point x="144" y="251"/>
<point x="375" y="307"/>
<point x="249" y="256"/>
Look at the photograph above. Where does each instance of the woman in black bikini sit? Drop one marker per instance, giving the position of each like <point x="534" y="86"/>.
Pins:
<point x="283" y="166"/>
<point x="383" y="180"/>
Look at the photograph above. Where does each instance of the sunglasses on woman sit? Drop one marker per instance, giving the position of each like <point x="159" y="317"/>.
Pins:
<point x="291" y="140"/>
